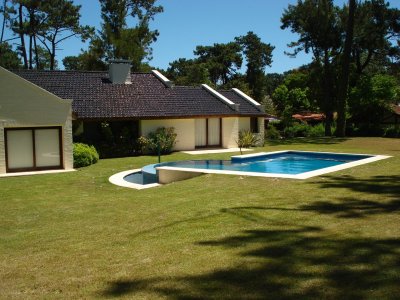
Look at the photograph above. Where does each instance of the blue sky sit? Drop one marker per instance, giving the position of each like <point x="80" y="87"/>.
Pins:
<point x="184" y="24"/>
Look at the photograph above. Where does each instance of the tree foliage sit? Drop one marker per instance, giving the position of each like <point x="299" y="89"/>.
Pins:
<point x="43" y="25"/>
<point x="116" y="40"/>
<point x="345" y="43"/>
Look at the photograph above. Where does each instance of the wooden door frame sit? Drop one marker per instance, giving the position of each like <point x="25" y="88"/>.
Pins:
<point x="220" y="135"/>
<point x="34" y="168"/>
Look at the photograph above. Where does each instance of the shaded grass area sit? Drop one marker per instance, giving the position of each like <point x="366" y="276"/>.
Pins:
<point x="74" y="235"/>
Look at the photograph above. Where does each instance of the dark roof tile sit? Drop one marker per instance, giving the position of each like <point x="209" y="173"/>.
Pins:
<point x="95" y="97"/>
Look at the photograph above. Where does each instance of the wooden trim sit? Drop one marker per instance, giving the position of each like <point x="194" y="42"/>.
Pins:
<point x="207" y="144"/>
<point x="34" y="168"/>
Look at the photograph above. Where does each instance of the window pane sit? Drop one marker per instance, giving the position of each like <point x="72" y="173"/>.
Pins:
<point x="47" y="147"/>
<point x="200" y="138"/>
<point x="19" y="149"/>
<point x="213" y="131"/>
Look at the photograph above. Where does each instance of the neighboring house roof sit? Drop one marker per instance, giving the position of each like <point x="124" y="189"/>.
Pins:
<point x="95" y="97"/>
<point x="308" y="116"/>
<point x="396" y="109"/>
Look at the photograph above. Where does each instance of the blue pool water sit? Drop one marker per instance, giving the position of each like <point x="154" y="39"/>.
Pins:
<point x="288" y="162"/>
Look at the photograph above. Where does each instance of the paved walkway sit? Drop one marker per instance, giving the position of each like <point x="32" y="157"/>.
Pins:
<point x="216" y="150"/>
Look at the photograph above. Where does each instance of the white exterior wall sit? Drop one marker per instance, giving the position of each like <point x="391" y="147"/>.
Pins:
<point x="23" y="104"/>
<point x="230" y="132"/>
<point x="261" y="131"/>
<point x="184" y="128"/>
<point x="244" y="123"/>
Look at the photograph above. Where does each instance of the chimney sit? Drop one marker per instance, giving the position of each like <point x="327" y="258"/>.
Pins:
<point x="120" y="71"/>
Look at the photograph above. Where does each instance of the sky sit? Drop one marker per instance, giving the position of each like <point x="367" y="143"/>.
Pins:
<point x="185" y="24"/>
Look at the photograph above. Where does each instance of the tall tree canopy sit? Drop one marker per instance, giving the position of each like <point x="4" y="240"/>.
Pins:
<point x="116" y="40"/>
<point x="344" y="42"/>
<point x="46" y="22"/>
<point x="220" y="64"/>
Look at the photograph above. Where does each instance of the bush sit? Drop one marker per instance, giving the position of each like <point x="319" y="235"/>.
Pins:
<point x="84" y="155"/>
<point x="297" y="130"/>
<point x="272" y="133"/>
<point x="247" y="139"/>
<point x="164" y="138"/>
<point x="393" y="131"/>
<point x="317" y="130"/>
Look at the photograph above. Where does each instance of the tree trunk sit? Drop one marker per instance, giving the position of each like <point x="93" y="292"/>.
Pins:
<point x="21" y="36"/>
<point x="344" y="78"/>
<point x="4" y="21"/>
<point x="36" y="53"/>
<point x="30" y="52"/>
<point x="52" y="54"/>
<point x="328" y="94"/>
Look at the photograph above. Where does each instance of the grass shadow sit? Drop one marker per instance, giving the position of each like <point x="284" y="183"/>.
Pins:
<point x="285" y="264"/>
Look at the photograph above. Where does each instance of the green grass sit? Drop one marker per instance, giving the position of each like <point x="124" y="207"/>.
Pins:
<point x="74" y="235"/>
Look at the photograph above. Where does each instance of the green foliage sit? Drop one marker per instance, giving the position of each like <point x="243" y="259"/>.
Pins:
<point x="393" y="131"/>
<point x="290" y="101"/>
<point x="372" y="97"/>
<point x="84" y="155"/>
<point x="258" y="56"/>
<point x="162" y="140"/>
<point x="272" y="133"/>
<point x="304" y="130"/>
<point x="188" y="72"/>
<point x="222" y="61"/>
<point x="247" y="139"/>
<point x="8" y="58"/>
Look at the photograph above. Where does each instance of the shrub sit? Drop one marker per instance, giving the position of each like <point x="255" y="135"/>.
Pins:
<point x="296" y="130"/>
<point x="272" y="133"/>
<point x="84" y="155"/>
<point x="247" y="139"/>
<point x="164" y="138"/>
<point x="317" y="130"/>
<point x="393" y="131"/>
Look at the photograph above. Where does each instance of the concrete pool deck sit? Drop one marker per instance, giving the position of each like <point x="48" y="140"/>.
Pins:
<point x="169" y="174"/>
<point x="216" y="150"/>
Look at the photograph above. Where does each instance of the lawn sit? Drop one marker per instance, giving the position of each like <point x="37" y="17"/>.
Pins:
<point x="74" y="235"/>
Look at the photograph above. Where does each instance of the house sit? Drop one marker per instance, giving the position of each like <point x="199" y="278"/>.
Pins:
<point x="35" y="127"/>
<point x="142" y="102"/>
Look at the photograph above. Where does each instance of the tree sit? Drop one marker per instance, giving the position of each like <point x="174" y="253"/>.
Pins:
<point x="318" y="26"/>
<point x="116" y="40"/>
<point x="8" y="58"/>
<point x="345" y="71"/>
<point x="371" y="98"/>
<point x="62" y="23"/>
<point x="51" y="22"/>
<point x="258" y="56"/>
<point x="188" y="72"/>
<point x="222" y="61"/>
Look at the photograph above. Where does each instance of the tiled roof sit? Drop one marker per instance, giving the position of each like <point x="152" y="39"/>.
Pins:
<point x="245" y="107"/>
<point x="95" y="97"/>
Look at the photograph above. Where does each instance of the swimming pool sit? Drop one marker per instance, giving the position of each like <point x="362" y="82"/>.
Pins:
<point x="284" y="164"/>
<point x="289" y="162"/>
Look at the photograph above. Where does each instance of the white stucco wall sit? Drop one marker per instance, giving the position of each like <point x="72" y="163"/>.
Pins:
<point x="23" y="104"/>
<point x="230" y="132"/>
<point x="184" y="128"/>
<point x="244" y="123"/>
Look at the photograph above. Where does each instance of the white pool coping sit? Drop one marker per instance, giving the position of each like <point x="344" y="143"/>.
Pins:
<point x="118" y="179"/>
<point x="213" y="151"/>
<point x="304" y="175"/>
